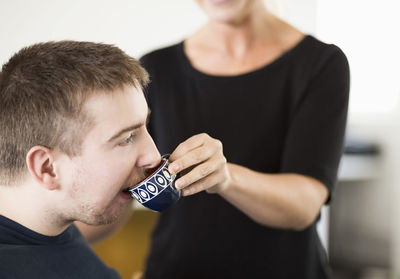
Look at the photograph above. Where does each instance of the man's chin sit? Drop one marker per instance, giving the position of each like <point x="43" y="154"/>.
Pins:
<point x="105" y="219"/>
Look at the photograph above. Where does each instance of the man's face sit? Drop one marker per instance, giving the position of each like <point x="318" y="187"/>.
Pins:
<point x="116" y="153"/>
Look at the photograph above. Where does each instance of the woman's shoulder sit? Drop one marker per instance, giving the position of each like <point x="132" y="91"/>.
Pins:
<point x="319" y="49"/>
<point x="317" y="55"/>
<point x="162" y="55"/>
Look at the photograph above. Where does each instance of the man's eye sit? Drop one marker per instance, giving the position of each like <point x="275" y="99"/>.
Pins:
<point x="129" y="139"/>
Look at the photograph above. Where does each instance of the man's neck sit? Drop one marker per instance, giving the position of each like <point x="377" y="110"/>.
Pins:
<point x="26" y="205"/>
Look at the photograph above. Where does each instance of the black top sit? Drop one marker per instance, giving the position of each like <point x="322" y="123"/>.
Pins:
<point x="25" y="254"/>
<point x="286" y="117"/>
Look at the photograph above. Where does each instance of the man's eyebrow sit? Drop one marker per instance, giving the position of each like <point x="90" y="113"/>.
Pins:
<point x="130" y="128"/>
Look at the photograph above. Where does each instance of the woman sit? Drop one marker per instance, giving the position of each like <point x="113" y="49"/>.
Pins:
<point x="263" y="108"/>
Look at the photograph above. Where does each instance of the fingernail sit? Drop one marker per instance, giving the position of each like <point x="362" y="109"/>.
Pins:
<point x="178" y="184"/>
<point x="173" y="169"/>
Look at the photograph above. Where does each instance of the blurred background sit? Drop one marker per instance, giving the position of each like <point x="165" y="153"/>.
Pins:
<point x="361" y="227"/>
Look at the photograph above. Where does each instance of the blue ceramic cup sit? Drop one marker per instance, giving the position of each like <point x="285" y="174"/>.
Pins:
<point x="157" y="192"/>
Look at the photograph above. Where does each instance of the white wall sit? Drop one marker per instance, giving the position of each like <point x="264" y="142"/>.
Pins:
<point x="136" y="26"/>
<point x="368" y="32"/>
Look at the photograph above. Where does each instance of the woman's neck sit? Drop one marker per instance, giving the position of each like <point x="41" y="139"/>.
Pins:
<point x="237" y="38"/>
<point x="223" y="48"/>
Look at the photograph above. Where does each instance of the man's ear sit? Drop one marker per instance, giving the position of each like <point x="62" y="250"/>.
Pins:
<point x="40" y="162"/>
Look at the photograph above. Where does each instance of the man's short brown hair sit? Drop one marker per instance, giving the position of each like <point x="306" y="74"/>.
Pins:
<point x="42" y="91"/>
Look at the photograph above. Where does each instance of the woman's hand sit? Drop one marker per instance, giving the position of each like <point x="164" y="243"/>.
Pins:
<point x="203" y="166"/>
<point x="281" y="200"/>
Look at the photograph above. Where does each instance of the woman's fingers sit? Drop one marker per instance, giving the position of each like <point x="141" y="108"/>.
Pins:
<point x="199" y="172"/>
<point x="201" y="161"/>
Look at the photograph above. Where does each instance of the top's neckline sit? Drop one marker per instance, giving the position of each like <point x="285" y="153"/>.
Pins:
<point x="262" y="68"/>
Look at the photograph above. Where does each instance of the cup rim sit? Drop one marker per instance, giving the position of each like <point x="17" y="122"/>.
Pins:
<point x="164" y="158"/>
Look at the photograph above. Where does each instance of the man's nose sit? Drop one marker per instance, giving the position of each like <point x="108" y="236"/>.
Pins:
<point x="149" y="155"/>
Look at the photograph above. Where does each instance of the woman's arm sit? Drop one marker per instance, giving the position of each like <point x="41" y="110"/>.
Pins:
<point x="279" y="200"/>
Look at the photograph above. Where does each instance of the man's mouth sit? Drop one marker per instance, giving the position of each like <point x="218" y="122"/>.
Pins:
<point x="125" y="193"/>
<point x="133" y="185"/>
<point x="146" y="173"/>
<point x="130" y="186"/>
<point x="126" y="190"/>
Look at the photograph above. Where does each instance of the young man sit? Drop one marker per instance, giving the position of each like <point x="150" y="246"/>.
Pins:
<point x="73" y="138"/>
